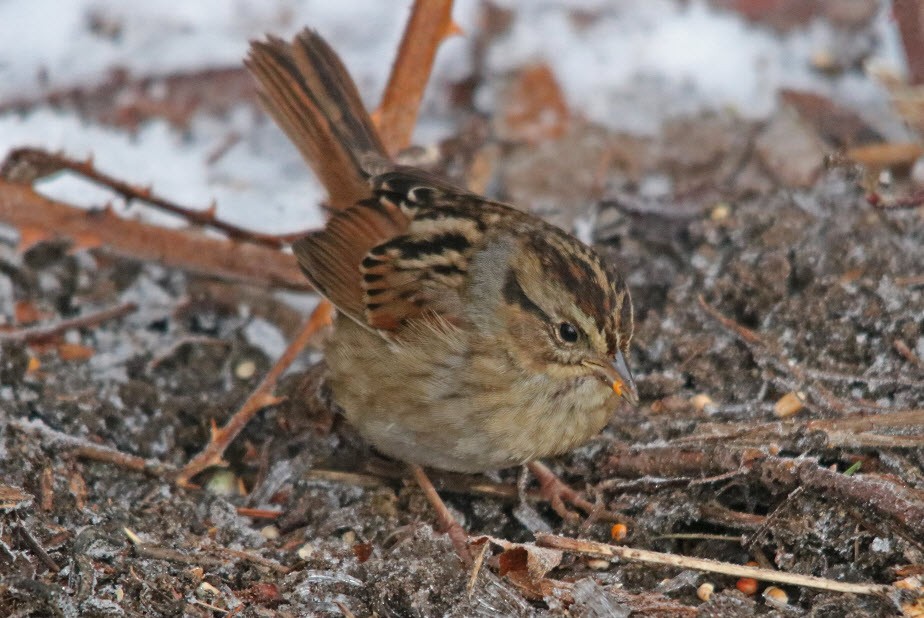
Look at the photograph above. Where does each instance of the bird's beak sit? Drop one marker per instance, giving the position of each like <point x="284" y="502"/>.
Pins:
<point x="616" y="373"/>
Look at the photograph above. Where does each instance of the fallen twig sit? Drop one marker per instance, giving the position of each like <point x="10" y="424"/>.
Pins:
<point x="41" y="334"/>
<point x="429" y="24"/>
<point x="26" y="165"/>
<point x="766" y="352"/>
<point x="603" y="550"/>
<point x="37" y="549"/>
<point x="902" y="348"/>
<point x="261" y="397"/>
<point x="87" y="450"/>
<point x="900" y="504"/>
<point x="867" y="493"/>
<point x="253" y="558"/>
<point x="909" y="14"/>
<point x="25" y="209"/>
<point x="146" y="550"/>
<point x="846" y="431"/>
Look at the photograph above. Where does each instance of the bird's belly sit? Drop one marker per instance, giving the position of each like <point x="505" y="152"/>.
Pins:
<point x="426" y="406"/>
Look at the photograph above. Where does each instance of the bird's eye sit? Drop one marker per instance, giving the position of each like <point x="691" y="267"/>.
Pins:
<point x="567" y="332"/>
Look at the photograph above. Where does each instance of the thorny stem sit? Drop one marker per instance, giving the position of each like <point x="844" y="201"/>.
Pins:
<point x="40" y="334"/>
<point x="261" y="397"/>
<point x="46" y="163"/>
<point x="429" y="24"/>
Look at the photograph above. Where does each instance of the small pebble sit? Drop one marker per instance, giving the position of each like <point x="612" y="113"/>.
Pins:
<point x="704" y="592"/>
<point x="245" y="370"/>
<point x="222" y="483"/>
<point x="701" y="402"/>
<point x="747" y="585"/>
<point x="720" y="212"/>
<point x="776" y="596"/>
<point x="619" y="532"/>
<point x="789" y="404"/>
<point x="270" y="533"/>
<point x="305" y="551"/>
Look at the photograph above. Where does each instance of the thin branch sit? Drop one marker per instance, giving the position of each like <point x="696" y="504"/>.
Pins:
<point x="26" y="165"/>
<point x="155" y="552"/>
<point x="40" y="334"/>
<point x="37" y="549"/>
<point x="603" y="550"/>
<point x="260" y="398"/>
<point x="429" y="24"/>
<point x="87" y="450"/>
<point x="909" y="14"/>
<point x="25" y="209"/>
<point x="252" y="558"/>
<point x="767" y="352"/>
<point x="902" y="505"/>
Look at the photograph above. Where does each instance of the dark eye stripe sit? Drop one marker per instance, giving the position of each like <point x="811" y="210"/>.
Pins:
<point x="514" y="295"/>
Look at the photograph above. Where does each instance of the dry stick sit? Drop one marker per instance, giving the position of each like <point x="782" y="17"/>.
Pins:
<point x="37" y="549"/>
<point x="87" y="450"/>
<point x="25" y="209"/>
<point x="261" y="397"/>
<point x="46" y="163"/>
<point x="252" y="558"/>
<point x="902" y="348"/>
<point x="845" y="431"/>
<point x="901" y="504"/>
<point x="769" y="352"/>
<point x="40" y="334"/>
<point x="146" y="550"/>
<point x="910" y="17"/>
<point x="429" y="24"/>
<point x="603" y="550"/>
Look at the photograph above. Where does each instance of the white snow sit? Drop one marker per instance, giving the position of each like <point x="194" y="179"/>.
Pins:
<point x="638" y="63"/>
<point x="631" y="67"/>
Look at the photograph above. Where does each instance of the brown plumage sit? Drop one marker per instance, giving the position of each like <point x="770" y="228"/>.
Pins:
<point x="470" y="335"/>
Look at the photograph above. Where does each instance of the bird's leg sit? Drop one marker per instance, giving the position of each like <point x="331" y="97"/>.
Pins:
<point x="447" y="522"/>
<point x="557" y="492"/>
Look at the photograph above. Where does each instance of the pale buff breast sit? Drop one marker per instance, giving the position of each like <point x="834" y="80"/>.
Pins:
<point x="440" y="405"/>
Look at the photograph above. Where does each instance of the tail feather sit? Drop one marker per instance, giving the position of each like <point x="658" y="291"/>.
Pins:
<point x="309" y="93"/>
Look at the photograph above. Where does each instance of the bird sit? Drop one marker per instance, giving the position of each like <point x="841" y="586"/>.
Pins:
<point x="470" y="335"/>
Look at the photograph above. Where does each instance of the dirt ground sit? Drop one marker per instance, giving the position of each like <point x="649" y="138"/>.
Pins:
<point x="822" y="295"/>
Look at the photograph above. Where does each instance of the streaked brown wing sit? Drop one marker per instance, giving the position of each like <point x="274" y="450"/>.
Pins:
<point x="399" y="256"/>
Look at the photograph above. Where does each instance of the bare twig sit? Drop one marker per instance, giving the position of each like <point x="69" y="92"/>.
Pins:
<point x="41" y="334"/>
<point x="885" y="498"/>
<point x="252" y="558"/>
<point x="37" y="549"/>
<point x="902" y="348"/>
<point x="147" y="550"/>
<point x="603" y="550"/>
<point x="429" y="24"/>
<point x="767" y="352"/>
<point x="260" y="398"/>
<point x="88" y="450"/>
<point x="847" y="431"/>
<point x="25" y="209"/>
<point x="48" y="162"/>
<point x="909" y="14"/>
